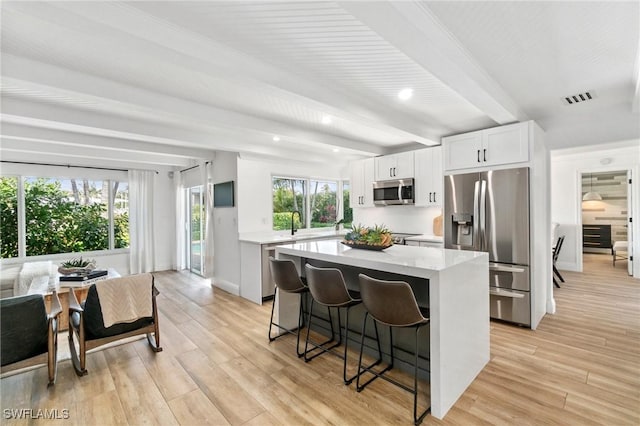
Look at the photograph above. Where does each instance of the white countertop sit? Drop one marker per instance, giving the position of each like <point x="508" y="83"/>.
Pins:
<point x="427" y="238"/>
<point x="270" y="237"/>
<point x="407" y="260"/>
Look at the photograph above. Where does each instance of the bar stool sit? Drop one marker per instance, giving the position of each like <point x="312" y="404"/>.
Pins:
<point x="391" y="303"/>
<point x="328" y="288"/>
<point x="285" y="276"/>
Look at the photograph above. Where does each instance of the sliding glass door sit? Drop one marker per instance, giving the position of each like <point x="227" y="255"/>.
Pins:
<point x="195" y="232"/>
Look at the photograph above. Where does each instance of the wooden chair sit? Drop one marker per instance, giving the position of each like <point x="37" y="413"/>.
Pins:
<point x="87" y="324"/>
<point x="28" y="334"/>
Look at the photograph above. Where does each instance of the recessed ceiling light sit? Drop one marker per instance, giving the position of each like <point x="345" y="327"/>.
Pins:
<point x="336" y="150"/>
<point x="276" y="138"/>
<point x="326" y="119"/>
<point x="405" y="94"/>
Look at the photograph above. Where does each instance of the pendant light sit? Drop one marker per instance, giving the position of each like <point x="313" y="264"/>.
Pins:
<point x="591" y="195"/>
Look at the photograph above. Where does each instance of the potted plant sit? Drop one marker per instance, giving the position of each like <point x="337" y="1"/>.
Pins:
<point x="77" y="266"/>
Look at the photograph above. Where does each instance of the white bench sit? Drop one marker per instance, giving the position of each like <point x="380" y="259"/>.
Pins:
<point x="619" y="246"/>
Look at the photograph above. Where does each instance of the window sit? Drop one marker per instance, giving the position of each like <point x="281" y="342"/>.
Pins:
<point x="63" y="215"/>
<point x="317" y="201"/>
<point x="323" y="203"/>
<point x="9" y="217"/>
<point x="289" y="195"/>
<point x="348" y="211"/>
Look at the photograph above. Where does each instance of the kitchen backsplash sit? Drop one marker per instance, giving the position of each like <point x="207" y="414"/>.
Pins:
<point x="405" y="219"/>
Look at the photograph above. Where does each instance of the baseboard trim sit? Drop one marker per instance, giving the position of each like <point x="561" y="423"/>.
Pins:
<point x="227" y="286"/>
<point x="567" y="266"/>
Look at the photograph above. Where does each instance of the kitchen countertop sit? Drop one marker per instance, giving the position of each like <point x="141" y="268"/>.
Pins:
<point x="271" y="237"/>
<point x="427" y="238"/>
<point x="420" y="262"/>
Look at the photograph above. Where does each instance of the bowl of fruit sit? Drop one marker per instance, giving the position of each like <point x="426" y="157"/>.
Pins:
<point x="377" y="237"/>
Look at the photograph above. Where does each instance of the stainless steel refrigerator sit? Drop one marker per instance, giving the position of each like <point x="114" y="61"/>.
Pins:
<point x="489" y="211"/>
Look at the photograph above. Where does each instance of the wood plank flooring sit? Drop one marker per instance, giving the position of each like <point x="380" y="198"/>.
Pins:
<point x="581" y="367"/>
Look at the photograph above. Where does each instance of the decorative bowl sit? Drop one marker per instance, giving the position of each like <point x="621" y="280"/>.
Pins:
<point x="365" y="246"/>
<point x="83" y="270"/>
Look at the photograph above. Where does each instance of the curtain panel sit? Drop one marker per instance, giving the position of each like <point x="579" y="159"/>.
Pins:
<point x="142" y="246"/>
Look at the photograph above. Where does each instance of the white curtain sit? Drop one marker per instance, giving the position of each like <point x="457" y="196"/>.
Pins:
<point x="207" y="185"/>
<point x="181" y="250"/>
<point x="142" y="247"/>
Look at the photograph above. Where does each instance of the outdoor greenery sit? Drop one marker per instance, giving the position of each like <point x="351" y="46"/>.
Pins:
<point x="322" y="203"/>
<point x="58" y="220"/>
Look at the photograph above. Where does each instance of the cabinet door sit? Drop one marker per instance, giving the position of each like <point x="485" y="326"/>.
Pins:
<point x="462" y="151"/>
<point x="422" y="184"/>
<point x="506" y="144"/>
<point x="368" y="166"/>
<point x="437" y="180"/>
<point x="356" y="176"/>
<point x="384" y="167"/>
<point x="428" y="177"/>
<point x="404" y="165"/>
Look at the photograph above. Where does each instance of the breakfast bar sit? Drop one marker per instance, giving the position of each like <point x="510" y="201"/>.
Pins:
<point x="453" y="284"/>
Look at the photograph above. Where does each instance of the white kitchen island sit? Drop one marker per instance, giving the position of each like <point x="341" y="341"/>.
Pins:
<point x="458" y="299"/>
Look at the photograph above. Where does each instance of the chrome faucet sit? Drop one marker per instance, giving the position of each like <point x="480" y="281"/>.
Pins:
<point x="293" y="229"/>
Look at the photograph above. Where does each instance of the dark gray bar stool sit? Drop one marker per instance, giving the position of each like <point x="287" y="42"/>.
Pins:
<point x="391" y="303"/>
<point x="328" y="288"/>
<point x="285" y="276"/>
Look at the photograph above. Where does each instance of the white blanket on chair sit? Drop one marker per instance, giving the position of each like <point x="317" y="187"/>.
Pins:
<point x="125" y="299"/>
<point x="31" y="271"/>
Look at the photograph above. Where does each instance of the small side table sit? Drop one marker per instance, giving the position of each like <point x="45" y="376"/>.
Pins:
<point x="63" y="294"/>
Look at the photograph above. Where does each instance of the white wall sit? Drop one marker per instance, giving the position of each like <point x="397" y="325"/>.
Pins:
<point x="226" y="268"/>
<point x="164" y="217"/>
<point x="255" y="209"/>
<point x="402" y="219"/>
<point x="566" y="169"/>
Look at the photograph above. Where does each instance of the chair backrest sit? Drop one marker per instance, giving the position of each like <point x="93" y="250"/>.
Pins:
<point x="556" y="250"/>
<point x="23" y="327"/>
<point x="285" y="275"/>
<point x="327" y="285"/>
<point x="94" y="322"/>
<point x="390" y="302"/>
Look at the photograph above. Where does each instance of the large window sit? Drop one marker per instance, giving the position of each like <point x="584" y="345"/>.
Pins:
<point x="318" y="201"/>
<point x="348" y="211"/>
<point x="63" y="215"/>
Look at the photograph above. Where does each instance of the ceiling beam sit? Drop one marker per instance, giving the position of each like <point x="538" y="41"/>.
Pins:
<point x="26" y="76"/>
<point x="208" y="57"/>
<point x="412" y="28"/>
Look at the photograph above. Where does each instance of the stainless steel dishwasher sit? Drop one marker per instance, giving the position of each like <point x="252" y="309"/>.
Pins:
<point x="268" y="286"/>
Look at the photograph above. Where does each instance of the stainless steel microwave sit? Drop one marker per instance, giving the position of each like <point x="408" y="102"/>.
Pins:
<point x="390" y="192"/>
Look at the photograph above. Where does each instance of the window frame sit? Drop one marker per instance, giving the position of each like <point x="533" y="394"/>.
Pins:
<point x="307" y="187"/>
<point x="50" y="173"/>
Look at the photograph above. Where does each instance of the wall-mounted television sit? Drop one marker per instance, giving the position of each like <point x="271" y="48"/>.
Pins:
<point x="223" y="194"/>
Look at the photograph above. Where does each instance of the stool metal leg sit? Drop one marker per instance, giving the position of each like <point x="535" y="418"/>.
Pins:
<point x="287" y="330"/>
<point x="368" y="368"/>
<point x="320" y="346"/>
<point x="417" y="420"/>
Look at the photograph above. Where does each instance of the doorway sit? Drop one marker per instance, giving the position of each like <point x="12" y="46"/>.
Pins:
<point x="195" y="232"/>
<point x="606" y="210"/>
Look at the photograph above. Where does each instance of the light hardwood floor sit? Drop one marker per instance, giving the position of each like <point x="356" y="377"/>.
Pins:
<point x="582" y="366"/>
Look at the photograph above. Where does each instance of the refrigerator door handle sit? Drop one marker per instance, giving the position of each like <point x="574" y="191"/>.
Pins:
<point x="483" y="216"/>
<point x="504" y="268"/>
<point x="476" y="216"/>
<point x="506" y="293"/>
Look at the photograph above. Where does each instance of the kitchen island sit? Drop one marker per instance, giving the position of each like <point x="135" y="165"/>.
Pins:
<point x="453" y="284"/>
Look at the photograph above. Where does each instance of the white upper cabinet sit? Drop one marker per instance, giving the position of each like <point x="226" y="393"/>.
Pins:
<point x="490" y="147"/>
<point x="361" y="183"/>
<point x="395" y="166"/>
<point x="428" y="185"/>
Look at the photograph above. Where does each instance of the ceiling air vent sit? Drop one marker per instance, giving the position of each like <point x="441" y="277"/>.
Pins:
<point x="580" y="97"/>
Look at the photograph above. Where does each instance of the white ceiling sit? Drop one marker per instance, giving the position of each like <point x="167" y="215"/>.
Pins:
<point x="165" y="82"/>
